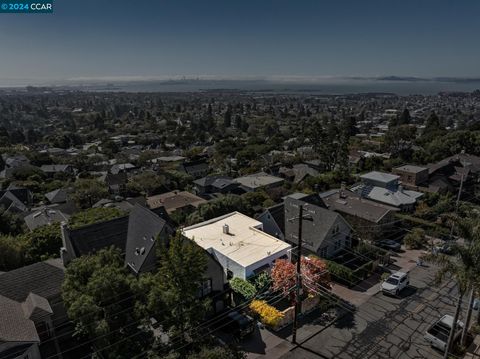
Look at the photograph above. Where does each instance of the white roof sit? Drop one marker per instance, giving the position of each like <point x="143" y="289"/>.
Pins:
<point x="256" y="180"/>
<point x="380" y="176"/>
<point x="245" y="244"/>
<point x="397" y="198"/>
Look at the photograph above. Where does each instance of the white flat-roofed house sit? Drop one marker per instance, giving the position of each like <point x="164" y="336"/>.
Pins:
<point x="238" y="243"/>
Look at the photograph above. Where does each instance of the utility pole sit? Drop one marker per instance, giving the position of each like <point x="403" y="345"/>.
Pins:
<point x="299" y="277"/>
<point x="459" y="194"/>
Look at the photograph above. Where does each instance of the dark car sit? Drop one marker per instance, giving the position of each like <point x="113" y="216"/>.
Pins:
<point x="389" y="244"/>
<point x="238" y="324"/>
<point x="445" y="248"/>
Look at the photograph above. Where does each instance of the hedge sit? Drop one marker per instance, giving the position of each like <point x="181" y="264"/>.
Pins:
<point x="269" y="315"/>
<point x="340" y="273"/>
<point x="244" y="288"/>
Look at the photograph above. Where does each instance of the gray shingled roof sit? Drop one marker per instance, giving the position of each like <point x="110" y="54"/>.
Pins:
<point x="36" y="307"/>
<point x="57" y="196"/>
<point x="14" y="326"/>
<point x="314" y="231"/>
<point x="45" y="215"/>
<point x="43" y="278"/>
<point x="354" y="205"/>
<point x="96" y="236"/>
<point x="10" y="202"/>
<point x="143" y="228"/>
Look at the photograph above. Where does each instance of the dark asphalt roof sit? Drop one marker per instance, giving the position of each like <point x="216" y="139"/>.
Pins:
<point x="97" y="236"/>
<point x="143" y="228"/>
<point x="354" y="205"/>
<point x="57" y="196"/>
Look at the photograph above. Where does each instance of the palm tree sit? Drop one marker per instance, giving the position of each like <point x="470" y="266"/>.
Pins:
<point x="463" y="267"/>
<point x="469" y="229"/>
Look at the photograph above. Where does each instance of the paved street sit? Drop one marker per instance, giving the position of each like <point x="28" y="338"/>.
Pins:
<point x="383" y="326"/>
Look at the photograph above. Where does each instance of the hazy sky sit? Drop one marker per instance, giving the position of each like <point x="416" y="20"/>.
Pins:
<point x="100" y="38"/>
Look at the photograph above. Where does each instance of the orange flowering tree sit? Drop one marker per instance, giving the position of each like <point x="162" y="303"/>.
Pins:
<point x="314" y="273"/>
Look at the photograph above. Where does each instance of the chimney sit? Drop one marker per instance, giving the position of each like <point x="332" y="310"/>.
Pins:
<point x="226" y="229"/>
<point x="342" y="190"/>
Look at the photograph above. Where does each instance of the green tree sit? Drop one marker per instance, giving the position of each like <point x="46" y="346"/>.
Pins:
<point x="10" y="223"/>
<point x="94" y="215"/>
<point x="88" y="191"/>
<point x="146" y="183"/>
<point x="99" y="298"/>
<point x="12" y="253"/>
<point x="43" y="243"/>
<point x="463" y="266"/>
<point x="173" y="290"/>
<point x="415" y="239"/>
<point x="404" y="118"/>
<point x="218" y="207"/>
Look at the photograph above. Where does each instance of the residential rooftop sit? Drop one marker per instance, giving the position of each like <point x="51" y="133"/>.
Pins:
<point x="411" y="168"/>
<point x="174" y="200"/>
<point x="379" y="176"/>
<point x="258" y="180"/>
<point x="352" y="204"/>
<point x="245" y="243"/>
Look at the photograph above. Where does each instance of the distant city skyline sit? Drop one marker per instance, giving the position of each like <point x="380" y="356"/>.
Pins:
<point x="267" y="39"/>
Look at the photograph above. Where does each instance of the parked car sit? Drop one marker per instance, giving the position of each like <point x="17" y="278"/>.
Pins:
<point x="395" y="283"/>
<point x="437" y="334"/>
<point x="238" y="324"/>
<point x="389" y="244"/>
<point x="445" y="248"/>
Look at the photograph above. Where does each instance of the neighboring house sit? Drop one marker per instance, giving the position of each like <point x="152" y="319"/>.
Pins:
<point x="369" y="219"/>
<point x="31" y="308"/>
<point x="15" y="160"/>
<point x="411" y="175"/>
<point x="273" y="220"/>
<point x="122" y="167"/>
<point x="238" y="243"/>
<point x="384" y="188"/>
<point x="92" y="238"/>
<point x="45" y="215"/>
<point x="125" y="233"/>
<point x="174" y="201"/>
<point x="57" y="196"/>
<point x="380" y="179"/>
<point x="51" y="170"/>
<point x="324" y="232"/>
<point x="448" y="173"/>
<point x="23" y="194"/>
<point x="117" y="183"/>
<point x="11" y="203"/>
<point x="196" y="169"/>
<point x="298" y="173"/>
<point x="124" y="205"/>
<point x="259" y="181"/>
<point x="145" y="227"/>
<point x="18" y="335"/>
<point x="215" y="184"/>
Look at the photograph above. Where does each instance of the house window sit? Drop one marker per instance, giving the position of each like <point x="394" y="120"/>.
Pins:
<point x="337" y="244"/>
<point x="323" y="252"/>
<point x="336" y="229"/>
<point x="205" y="288"/>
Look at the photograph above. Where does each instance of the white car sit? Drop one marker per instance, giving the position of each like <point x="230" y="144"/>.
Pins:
<point x="395" y="283"/>
<point x="437" y="334"/>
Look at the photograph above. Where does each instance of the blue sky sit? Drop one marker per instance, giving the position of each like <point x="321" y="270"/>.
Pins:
<point x="155" y="38"/>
